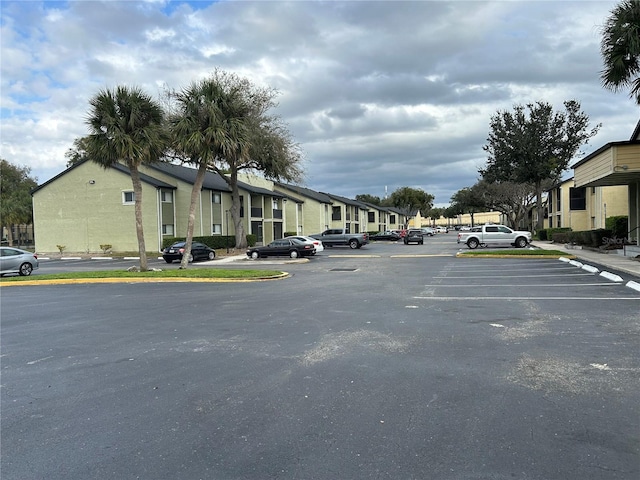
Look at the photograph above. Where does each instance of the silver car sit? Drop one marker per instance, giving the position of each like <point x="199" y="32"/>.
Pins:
<point x="14" y="260"/>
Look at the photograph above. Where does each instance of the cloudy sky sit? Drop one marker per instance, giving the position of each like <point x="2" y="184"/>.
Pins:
<point x="379" y="95"/>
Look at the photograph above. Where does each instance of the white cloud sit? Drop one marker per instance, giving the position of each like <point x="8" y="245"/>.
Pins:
<point x="377" y="93"/>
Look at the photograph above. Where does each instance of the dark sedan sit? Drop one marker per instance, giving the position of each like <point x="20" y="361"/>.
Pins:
<point x="285" y="247"/>
<point x="385" y="236"/>
<point x="199" y="251"/>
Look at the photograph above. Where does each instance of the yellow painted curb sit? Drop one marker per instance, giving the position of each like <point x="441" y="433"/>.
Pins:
<point x="80" y="281"/>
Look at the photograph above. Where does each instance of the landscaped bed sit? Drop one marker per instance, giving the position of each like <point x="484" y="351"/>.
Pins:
<point x="193" y="274"/>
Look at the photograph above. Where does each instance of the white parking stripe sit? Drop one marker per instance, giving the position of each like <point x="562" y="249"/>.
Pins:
<point x="456" y="299"/>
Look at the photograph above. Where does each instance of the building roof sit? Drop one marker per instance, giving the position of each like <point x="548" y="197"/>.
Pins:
<point x="212" y="180"/>
<point x="118" y="167"/>
<point x="635" y="138"/>
<point x="307" y="192"/>
<point x="347" y="201"/>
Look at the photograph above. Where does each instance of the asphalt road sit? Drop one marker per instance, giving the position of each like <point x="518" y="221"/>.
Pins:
<point x="390" y="362"/>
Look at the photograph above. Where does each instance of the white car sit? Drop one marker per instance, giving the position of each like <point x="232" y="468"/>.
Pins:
<point x="442" y="230"/>
<point x="15" y="260"/>
<point x="316" y="243"/>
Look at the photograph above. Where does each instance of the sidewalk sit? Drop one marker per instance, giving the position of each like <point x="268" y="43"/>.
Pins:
<point x="611" y="260"/>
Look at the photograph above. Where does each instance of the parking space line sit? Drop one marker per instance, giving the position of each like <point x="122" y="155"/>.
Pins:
<point x="616" y="299"/>
<point x="520" y="276"/>
<point x="475" y="285"/>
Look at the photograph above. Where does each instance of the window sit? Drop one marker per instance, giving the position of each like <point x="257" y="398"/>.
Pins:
<point x="216" y="198"/>
<point x="578" y="198"/>
<point x="167" y="229"/>
<point x="166" y="197"/>
<point x="558" y="200"/>
<point x="217" y="229"/>
<point x="392" y="219"/>
<point x="128" y="198"/>
<point x="371" y="217"/>
<point x="336" y="213"/>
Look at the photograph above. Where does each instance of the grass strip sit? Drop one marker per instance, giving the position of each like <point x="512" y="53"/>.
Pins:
<point x="188" y="273"/>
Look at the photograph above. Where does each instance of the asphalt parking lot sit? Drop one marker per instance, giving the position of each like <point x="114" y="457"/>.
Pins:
<point x="388" y="362"/>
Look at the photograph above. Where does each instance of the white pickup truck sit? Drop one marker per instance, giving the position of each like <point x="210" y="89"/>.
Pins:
<point x="499" y="235"/>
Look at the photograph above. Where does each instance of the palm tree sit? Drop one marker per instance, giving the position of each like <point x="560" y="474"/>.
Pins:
<point x="620" y="47"/>
<point x="207" y="128"/>
<point x="221" y="124"/>
<point x="126" y="125"/>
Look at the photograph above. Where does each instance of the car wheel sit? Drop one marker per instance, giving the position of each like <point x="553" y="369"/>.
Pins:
<point x="472" y="243"/>
<point x="521" y="242"/>
<point x="25" y="269"/>
<point x="168" y="260"/>
<point x="212" y="255"/>
<point x="293" y="254"/>
<point x="255" y="255"/>
<point x="353" y="244"/>
<point x="422" y="242"/>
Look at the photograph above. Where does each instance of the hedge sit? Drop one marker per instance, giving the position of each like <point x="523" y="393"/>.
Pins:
<point x="588" y="238"/>
<point x="619" y="225"/>
<point x="547" y="233"/>
<point x="217" y="242"/>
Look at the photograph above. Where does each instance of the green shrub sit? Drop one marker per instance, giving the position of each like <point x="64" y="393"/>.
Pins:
<point x="587" y="238"/>
<point x="549" y="233"/>
<point x="618" y="225"/>
<point x="290" y="234"/>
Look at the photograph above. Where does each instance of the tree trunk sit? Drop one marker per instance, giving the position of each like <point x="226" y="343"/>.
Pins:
<point x="539" y="207"/>
<point x="241" y="238"/>
<point x="137" y="191"/>
<point x="196" y="191"/>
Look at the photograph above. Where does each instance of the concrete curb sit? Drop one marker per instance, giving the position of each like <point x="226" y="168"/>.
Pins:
<point x="611" y="276"/>
<point x="633" y="285"/>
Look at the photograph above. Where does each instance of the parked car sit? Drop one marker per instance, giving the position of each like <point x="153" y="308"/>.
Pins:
<point x="428" y="231"/>
<point x="442" y="230"/>
<point x="14" y="260"/>
<point x="199" y="251"/>
<point x="285" y="247"/>
<point x="385" y="236"/>
<point x="414" y="235"/>
<point x="401" y="232"/>
<point x="316" y="243"/>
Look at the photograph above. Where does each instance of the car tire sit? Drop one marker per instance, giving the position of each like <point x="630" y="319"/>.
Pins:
<point x="255" y="255"/>
<point x="521" y="242"/>
<point x="293" y="254"/>
<point x="473" y="243"/>
<point x="25" y="269"/>
<point x="212" y="255"/>
<point x="353" y="244"/>
<point x="168" y="260"/>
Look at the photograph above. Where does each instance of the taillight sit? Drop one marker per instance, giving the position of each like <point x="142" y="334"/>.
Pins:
<point x="35" y="256"/>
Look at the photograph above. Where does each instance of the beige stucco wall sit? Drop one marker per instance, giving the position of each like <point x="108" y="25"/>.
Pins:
<point x="81" y="215"/>
<point x="600" y="202"/>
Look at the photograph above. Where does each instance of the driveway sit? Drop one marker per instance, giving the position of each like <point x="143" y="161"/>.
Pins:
<point x="375" y="366"/>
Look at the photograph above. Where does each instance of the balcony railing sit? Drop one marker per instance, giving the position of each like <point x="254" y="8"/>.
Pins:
<point x="277" y="213"/>
<point x="256" y="212"/>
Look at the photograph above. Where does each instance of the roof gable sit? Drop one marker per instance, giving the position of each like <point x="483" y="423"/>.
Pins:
<point x="117" y="167"/>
